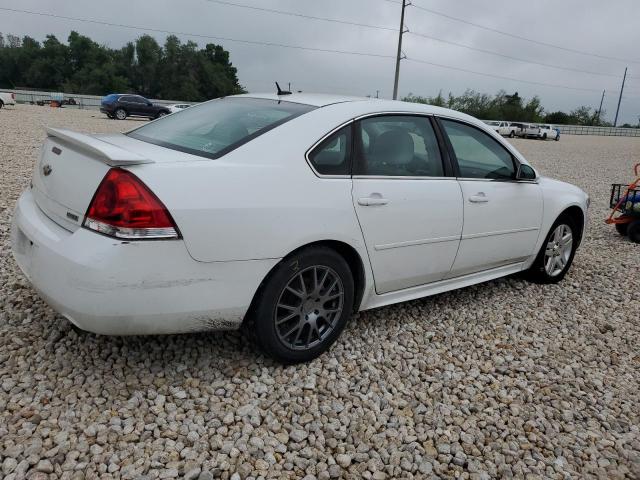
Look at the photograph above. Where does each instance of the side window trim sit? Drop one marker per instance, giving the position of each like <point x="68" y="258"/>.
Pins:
<point x="351" y="124"/>
<point x="452" y="153"/>
<point x="356" y="138"/>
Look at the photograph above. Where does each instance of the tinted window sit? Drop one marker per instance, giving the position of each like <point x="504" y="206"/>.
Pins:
<point x="214" y="128"/>
<point x="397" y="145"/>
<point x="332" y="156"/>
<point x="478" y="154"/>
<point x="138" y="100"/>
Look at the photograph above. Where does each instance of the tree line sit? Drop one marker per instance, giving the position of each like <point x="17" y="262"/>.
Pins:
<point x="176" y="70"/>
<point x="503" y="106"/>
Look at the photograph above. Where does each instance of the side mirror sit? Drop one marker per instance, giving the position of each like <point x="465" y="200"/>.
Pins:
<point x="525" y="172"/>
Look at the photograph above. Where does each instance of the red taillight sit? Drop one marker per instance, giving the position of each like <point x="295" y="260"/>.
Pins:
<point x="13" y="96"/>
<point x="124" y="207"/>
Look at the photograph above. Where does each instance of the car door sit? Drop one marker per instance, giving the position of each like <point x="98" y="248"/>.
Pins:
<point x="140" y="106"/>
<point x="502" y="216"/>
<point x="127" y="103"/>
<point x="409" y="209"/>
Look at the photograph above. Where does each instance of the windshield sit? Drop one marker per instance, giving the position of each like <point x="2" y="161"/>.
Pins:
<point x="215" y="128"/>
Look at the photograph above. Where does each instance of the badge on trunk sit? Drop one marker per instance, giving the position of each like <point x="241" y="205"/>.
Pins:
<point x="46" y="170"/>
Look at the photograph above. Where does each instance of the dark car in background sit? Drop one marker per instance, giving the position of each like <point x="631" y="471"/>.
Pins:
<point x="123" y="105"/>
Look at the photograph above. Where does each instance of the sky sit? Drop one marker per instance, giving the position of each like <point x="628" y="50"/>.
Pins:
<point x="608" y="31"/>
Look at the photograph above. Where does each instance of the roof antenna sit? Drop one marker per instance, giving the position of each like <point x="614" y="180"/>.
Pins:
<point x="282" y="92"/>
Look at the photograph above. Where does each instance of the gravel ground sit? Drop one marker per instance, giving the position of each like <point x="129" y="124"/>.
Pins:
<point x="500" y="380"/>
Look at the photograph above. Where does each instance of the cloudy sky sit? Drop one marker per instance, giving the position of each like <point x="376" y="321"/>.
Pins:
<point x="608" y="31"/>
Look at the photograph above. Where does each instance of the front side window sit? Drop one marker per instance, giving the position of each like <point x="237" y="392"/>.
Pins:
<point x="398" y="146"/>
<point x="333" y="155"/>
<point x="478" y="154"/>
<point x="215" y="128"/>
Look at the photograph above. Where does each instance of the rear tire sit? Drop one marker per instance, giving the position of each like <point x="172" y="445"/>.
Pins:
<point x="621" y="228"/>
<point x="1" y="104"/>
<point x="556" y="255"/>
<point x="161" y="114"/>
<point x="120" y="114"/>
<point x="633" y="231"/>
<point x="303" y="305"/>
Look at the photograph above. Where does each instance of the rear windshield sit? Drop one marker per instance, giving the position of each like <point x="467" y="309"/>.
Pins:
<point x="215" y="128"/>
<point x="110" y="98"/>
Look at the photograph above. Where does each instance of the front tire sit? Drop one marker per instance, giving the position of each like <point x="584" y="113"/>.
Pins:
<point x="544" y="136"/>
<point x="1" y="104"/>
<point x="633" y="231"/>
<point x="621" y="228"/>
<point x="304" y="305"/>
<point x="557" y="252"/>
<point x="120" y="114"/>
<point x="512" y="134"/>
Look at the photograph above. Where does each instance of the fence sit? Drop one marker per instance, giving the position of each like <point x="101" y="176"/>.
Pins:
<point x="604" y="131"/>
<point x="82" y="101"/>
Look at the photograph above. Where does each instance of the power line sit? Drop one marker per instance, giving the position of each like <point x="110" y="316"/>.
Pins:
<point x="519" y="37"/>
<point x="490" y="52"/>
<point x="300" y="15"/>
<point x="198" y="35"/>
<point x="532" y="82"/>
<point x="379" y="27"/>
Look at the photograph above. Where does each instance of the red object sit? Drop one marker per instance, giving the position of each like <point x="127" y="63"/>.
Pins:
<point x="625" y="218"/>
<point x="13" y="96"/>
<point x="123" y="201"/>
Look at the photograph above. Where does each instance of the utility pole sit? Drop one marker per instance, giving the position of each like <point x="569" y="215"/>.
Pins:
<point x="399" y="55"/>
<point x="600" y="108"/>
<point x="615" y="122"/>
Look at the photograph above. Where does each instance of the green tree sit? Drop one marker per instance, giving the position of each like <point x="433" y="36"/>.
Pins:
<point x="174" y="71"/>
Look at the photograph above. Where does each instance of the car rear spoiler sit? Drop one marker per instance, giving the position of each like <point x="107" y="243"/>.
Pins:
<point x="105" y="152"/>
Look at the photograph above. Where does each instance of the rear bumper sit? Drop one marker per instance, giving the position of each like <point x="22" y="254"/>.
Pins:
<point x="111" y="287"/>
<point x="106" y="110"/>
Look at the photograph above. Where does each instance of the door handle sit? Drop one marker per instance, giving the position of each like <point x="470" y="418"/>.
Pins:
<point x="479" y="197"/>
<point x="371" y="201"/>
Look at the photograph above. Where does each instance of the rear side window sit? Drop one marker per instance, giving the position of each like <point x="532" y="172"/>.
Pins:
<point x="397" y="146"/>
<point x="215" y="128"/>
<point x="333" y="155"/>
<point x="479" y="155"/>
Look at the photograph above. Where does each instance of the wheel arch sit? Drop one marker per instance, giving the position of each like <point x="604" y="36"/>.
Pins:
<point x="346" y="251"/>
<point x="577" y="215"/>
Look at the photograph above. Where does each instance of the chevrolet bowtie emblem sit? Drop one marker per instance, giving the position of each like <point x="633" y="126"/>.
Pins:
<point x="46" y="170"/>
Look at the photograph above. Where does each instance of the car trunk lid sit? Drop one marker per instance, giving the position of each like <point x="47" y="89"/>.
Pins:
<point x="69" y="170"/>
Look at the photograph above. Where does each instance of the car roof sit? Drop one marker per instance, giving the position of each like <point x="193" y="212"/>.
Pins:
<point x="314" y="99"/>
<point x="361" y="104"/>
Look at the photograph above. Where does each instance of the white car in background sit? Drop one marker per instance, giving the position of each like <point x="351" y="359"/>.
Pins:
<point x="286" y="213"/>
<point x="529" y="130"/>
<point x="505" y="129"/>
<point x="548" y="132"/>
<point x="7" y="98"/>
<point x="178" y="107"/>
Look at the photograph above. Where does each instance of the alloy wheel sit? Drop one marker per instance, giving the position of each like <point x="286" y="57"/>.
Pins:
<point x="558" y="250"/>
<point x="309" y="307"/>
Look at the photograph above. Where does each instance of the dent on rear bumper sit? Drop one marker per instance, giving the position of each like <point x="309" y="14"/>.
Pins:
<point x="112" y="287"/>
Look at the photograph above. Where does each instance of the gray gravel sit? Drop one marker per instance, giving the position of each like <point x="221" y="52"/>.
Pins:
<point x="500" y="380"/>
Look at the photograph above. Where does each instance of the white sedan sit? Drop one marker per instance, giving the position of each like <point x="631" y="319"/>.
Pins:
<point x="287" y="213"/>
